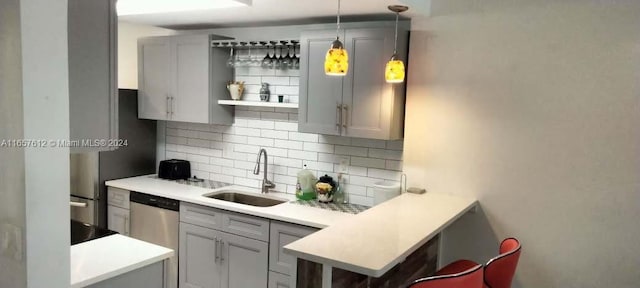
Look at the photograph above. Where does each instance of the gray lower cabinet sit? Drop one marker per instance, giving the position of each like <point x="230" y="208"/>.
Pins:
<point x="181" y="78"/>
<point x="244" y="262"/>
<point x="281" y="235"/>
<point x="118" y="219"/>
<point x="277" y="280"/>
<point x="360" y="104"/>
<point x="150" y="276"/>
<point x="211" y="258"/>
<point x="283" y="266"/>
<point x="93" y="83"/>
<point x="199" y="259"/>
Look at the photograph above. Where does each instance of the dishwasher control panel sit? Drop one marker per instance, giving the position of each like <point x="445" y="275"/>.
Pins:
<point x="155" y="201"/>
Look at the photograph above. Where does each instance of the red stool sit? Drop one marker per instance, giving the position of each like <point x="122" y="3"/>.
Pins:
<point x="499" y="271"/>
<point x="471" y="278"/>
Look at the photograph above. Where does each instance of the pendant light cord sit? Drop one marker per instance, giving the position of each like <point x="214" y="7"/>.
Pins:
<point x="338" y="28"/>
<point x="395" y="43"/>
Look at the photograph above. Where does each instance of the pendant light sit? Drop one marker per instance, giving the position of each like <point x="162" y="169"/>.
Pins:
<point x="336" y="62"/>
<point x="394" y="72"/>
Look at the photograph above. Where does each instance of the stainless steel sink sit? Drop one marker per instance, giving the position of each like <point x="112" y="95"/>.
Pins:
<point x="243" y="198"/>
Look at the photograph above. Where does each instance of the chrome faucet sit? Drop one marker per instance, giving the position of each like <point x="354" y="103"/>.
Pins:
<point x="266" y="184"/>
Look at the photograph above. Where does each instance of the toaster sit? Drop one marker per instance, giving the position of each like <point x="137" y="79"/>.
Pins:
<point x="174" y="169"/>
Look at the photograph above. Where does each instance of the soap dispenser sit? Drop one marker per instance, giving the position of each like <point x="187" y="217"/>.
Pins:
<point x="305" y="187"/>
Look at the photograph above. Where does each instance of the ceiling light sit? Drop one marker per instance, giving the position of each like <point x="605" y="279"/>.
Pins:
<point x="336" y="62"/>
<point x="394" y="71"/>
<point x="136" y="7"/>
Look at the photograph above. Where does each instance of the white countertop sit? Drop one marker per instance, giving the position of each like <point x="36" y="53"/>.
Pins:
<point x="104" y="258"/>
<point x="379" y="238"/>
<point x="287" y="212"/>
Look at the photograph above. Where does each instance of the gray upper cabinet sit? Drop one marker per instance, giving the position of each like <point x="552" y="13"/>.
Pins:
<point x="361" y="104"/>
<point x="93" y="83"/>
<point x="320" y="95"/>
<point x="181" y="78"/>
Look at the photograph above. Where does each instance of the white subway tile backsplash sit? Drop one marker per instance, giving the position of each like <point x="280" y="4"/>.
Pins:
<point x="198" y="158"/>
<point x="246" y="182"/>
<point x="354" y="170"/>
<point x="260" y="124"/>
<point x="318" y="147"/>
<point x="386" y="154"/>
<point x="221" y="161"/>
<point x="277" y="134"/>
<point x="249" y="79"/>
<point x="384" y="174"/>
<point x="247" y="131"/>
<point x="248" y="114"/>
<point x="275" y="116"/>
<point x="286" y="90"/>
<point x="175" y="155"/>
<point x="198" y="142"/>
<point x="304" y="155"/>
<point x="259" y="141"/>
<point x="230" y="138"/>
<point x="351" y="151"/>
<point x="335" y="140"/>
<point x="393" y="165"/>
<point x="221" y="177"/>
<point x="277" y="152"/>
<point x="276" y="80"/>
<point x="306" y="137"/>
<point x="372" y="143"/>
<point x="287" y="144"/>
<point x="286" y="126"/>
<point x="210" y="152"/>
<point x="210" y="136"/>
<point x="332" y="158"/>
<point x="227" y="153"/>
<point x="395" y="145"/>
<point x="368" y="162"/>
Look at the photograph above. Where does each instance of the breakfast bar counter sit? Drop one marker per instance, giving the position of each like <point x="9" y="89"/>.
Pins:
<point x="373" y="242"/>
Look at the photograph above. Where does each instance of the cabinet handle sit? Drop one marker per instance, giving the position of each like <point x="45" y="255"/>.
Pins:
<point x="168" y="105"/>
<point x="338" y="116"/>
<point x="345" y="116"/>
<point x="171" y="106"/>
<point x="216" y="251"/>
<point x="221" y="251"/>
<point x="126" y="225"/>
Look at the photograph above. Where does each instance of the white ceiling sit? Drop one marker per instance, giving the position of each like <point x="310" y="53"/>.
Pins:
<point x="274" y="12"/>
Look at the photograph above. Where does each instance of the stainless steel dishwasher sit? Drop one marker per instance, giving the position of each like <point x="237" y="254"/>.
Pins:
<point x="157" y="220"/>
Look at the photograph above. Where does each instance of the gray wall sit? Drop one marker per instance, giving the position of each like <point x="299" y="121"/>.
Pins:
<point x="34" y="200"/>
<point x="533" y="108"/>
<point x="12" y="273"/>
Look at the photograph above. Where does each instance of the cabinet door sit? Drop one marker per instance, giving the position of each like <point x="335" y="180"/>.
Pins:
<point x="93" y="88"/>
<point x="190" y="98"/>
<point x="277" y="280"/>
<point x="118" y="219"/>
<point x="199" y="257"/>
<point x="368" y="101"/>
<point x="281" y="235"/>
<point x="154" y="78"/>
<point x="320" y="95"/>
<point x="244" y="262"/>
